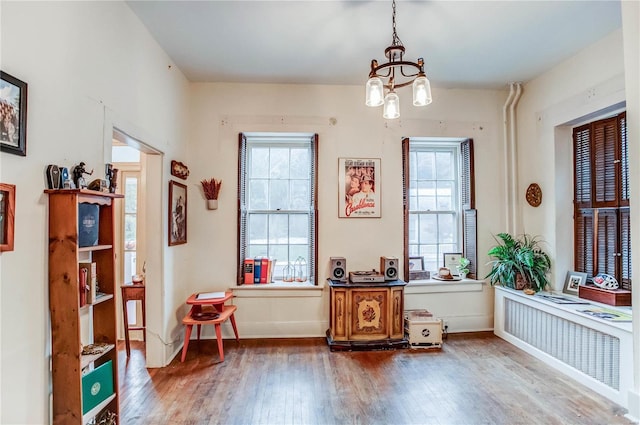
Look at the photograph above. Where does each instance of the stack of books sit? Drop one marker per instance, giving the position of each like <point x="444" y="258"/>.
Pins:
<point x="258" y="270"/>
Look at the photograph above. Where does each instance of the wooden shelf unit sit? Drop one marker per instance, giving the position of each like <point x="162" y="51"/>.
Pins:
<point x="64" y="302"/>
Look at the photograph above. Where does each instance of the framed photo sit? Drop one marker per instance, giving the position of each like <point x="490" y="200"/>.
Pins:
<point x="179" y="170"/>
<point x="359" y="187"/>
<point x="452" y="261"/>
<point x="416" y="264"/>
<point x="13" y="115"/>
<point x="7" y="215"/>
<point x="177" y="213"/>
<point x="573" y="281"/>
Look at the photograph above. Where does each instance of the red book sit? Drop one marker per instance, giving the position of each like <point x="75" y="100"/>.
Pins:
<point x="248" y="271"/>
<point x="264" y="269"/>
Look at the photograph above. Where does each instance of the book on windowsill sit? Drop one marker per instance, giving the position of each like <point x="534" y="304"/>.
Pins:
<point x="248" y="271"/>
<point x="209" y="295"/>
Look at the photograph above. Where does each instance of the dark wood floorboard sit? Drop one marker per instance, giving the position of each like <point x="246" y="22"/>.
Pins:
<point x="474" y="379"/>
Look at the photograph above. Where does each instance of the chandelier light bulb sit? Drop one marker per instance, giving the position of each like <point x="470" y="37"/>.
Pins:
<point x="391" y="109"/>
<point x="421" y="91"/>
<point x="375" y="91"/>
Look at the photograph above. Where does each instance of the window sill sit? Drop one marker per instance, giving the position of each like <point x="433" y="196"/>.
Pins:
<point x="429" y="286"/>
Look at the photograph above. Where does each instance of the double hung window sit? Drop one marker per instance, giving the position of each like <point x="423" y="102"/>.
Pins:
<point x="277" y="204"/>
<point x="438" y="196"/>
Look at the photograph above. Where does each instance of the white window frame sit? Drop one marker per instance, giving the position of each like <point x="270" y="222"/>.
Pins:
<point x="275" y="140"/>
<point x="436" y="145"/>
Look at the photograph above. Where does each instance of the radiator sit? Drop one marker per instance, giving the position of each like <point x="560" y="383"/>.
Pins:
<point x="592" y="352"/>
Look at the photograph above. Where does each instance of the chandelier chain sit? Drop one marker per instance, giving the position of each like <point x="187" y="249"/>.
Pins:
<point x="379" y="92"/>
<point x="396" y="40"/>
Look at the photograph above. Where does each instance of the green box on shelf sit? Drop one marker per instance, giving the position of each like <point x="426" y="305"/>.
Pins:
<point x="97" y="385"/>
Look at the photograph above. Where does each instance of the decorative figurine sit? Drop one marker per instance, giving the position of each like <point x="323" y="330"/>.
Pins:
<point x="113" y="180"/>
<point x="108" y="174"/>
<point x="78" y="175"/>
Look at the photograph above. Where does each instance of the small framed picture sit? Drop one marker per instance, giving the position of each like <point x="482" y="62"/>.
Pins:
<point x="7" y="216"/>
<point x="573" y="281"/>
<point x="177" y="213"/>
<point x="416" y="264"/>
<point x="452" y="261"/>
<point x="13" y="115"/>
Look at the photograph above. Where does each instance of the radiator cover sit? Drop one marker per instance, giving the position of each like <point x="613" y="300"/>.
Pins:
<point x="590" y="351"/>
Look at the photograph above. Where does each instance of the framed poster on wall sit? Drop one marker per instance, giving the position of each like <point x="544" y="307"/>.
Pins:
<point x="177" y="213"/>
<point x="13" y="115"/>
<point x="359" y="187"/>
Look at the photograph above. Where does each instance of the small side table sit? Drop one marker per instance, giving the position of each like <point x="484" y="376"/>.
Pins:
<point x="213" y="304"/>
<point x="133" y="293"/>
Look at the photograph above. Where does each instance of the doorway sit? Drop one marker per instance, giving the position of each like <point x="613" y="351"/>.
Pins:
<point x="132" y="159"/>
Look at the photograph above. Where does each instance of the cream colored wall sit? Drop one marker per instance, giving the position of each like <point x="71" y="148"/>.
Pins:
<point x="550" y="105"/>
<point x="88" y="65"/>
<point x="92" y="65"/>
<point x="346" y="128"/>
<point x="601" y="79"/>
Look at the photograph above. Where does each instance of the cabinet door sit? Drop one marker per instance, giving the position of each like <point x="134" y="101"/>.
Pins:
<point x="339" y="314"/>
<point x="396" y="314"/>
<point x="369" y="314"/>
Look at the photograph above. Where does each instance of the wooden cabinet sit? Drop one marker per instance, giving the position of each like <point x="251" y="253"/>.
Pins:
<point x="366" y="316"/>
<point x="72" y="325"/>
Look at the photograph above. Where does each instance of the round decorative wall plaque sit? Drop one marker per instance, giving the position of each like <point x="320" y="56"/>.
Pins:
<point x="534" y="195"/>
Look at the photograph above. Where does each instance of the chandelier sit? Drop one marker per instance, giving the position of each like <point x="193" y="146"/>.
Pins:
<point x="398" y="73"/>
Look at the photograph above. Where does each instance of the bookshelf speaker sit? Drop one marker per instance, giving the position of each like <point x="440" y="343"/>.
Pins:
<point x="389" y="268"/>
<point x="338" y="269"/>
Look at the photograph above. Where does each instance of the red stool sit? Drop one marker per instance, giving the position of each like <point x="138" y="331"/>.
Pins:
<point x="224" y="312"/>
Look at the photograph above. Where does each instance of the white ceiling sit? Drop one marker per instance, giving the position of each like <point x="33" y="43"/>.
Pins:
<point x="465" y="44"/>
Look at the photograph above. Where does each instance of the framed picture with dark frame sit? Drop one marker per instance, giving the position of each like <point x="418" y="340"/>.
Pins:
<point x="452" y="261"/>
<point x="416" y="264"/>
<point x="177" y="213"/>
<point x="13" y="115"/>
<point x="7" y="215"/>
<point x="573" y="281"/>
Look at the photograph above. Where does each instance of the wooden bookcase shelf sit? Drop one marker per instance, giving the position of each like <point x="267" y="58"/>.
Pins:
<point x="64" y="302"/>
<point x="99" y="408"/>
<point x="94" y="248"/>
<point x="86" y="359"/>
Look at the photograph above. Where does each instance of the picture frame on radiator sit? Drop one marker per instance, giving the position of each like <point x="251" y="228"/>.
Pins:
<point x="573" y="281"/>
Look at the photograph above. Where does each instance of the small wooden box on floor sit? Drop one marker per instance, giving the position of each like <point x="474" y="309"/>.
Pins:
<point x="422" y="329"/>
<point x="618" y="297"/>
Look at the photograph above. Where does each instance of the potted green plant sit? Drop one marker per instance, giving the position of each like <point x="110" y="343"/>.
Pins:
<point x="519" y="263"/>
<point x="463" y="267"/>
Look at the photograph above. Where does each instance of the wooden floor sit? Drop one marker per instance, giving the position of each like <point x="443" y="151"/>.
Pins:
<point x="474" y="379"/>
